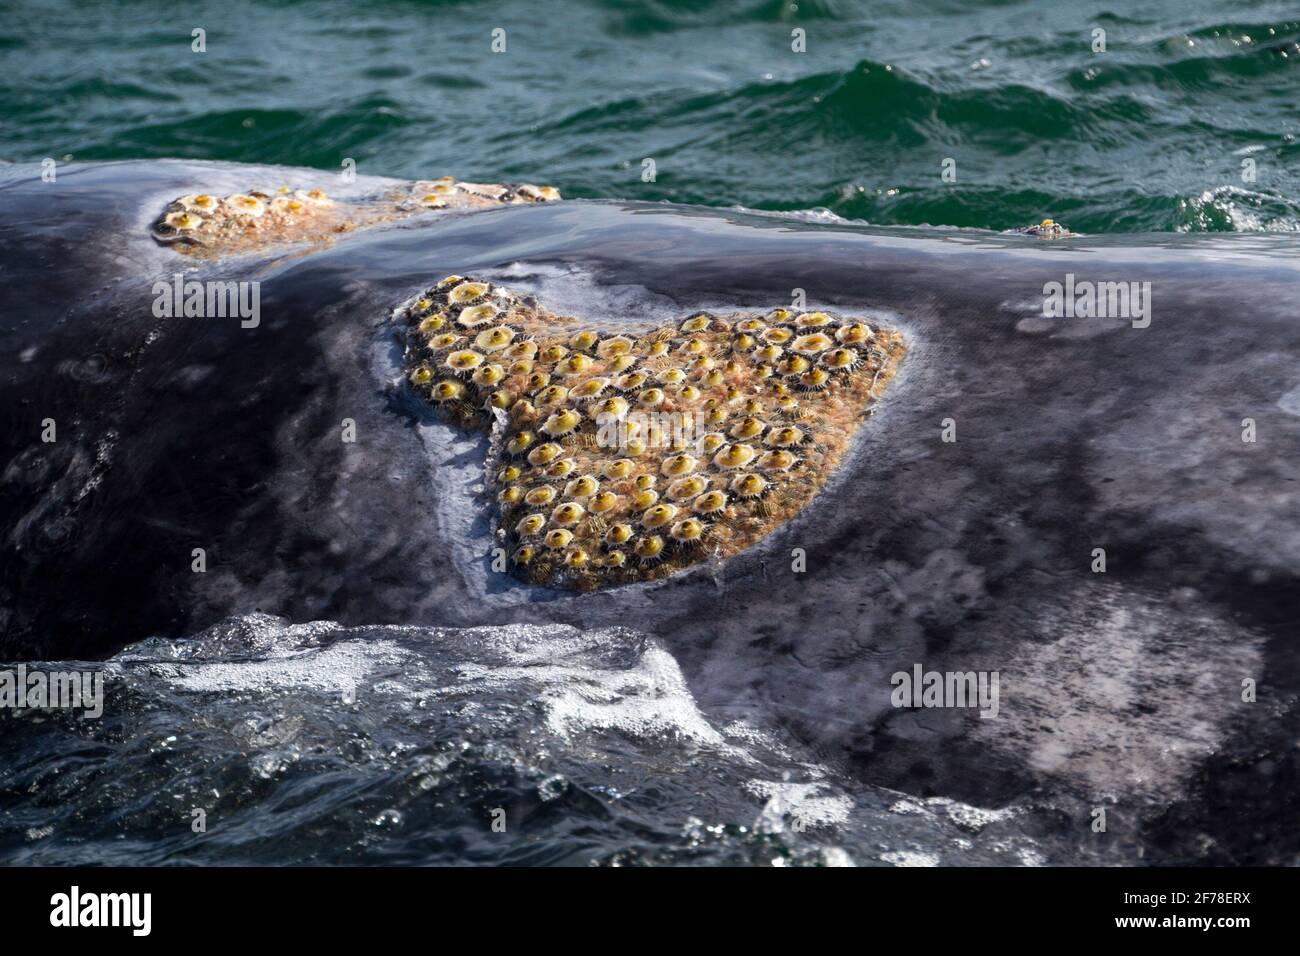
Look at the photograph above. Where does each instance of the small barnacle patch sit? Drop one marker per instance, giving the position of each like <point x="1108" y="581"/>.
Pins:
<point x="595" y="483"/>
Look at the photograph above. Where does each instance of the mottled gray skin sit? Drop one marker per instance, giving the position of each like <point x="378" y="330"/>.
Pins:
<point x="1121" y="689"/>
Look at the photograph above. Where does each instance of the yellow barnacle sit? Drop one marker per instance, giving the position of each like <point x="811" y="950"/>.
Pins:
<point x="649" y="549"/>
<point x="696" y="323"/>
<point x="785" y="437"/>
<point x="618" y="468"/>
<point x="794" y="365"/>
<point x="495" y="338"/>
<point x="688" y="393"/>
<point x="520" y="443"/>
<point x="562" y="423"/>
<point x="489" y="375"/>
<point x="590" y="388"/>
<point x="657" y="349"/>
<point x="464" y="360"/>
<point x="538" y="381"/>
<point x="568" y="514"/>
<point x="644" y="499"/>
<point x="753" y="407"/>
<point x="701" y="364"/>
<point x="743" y="343"/>
<point x="687" y="532"/>
<point x="199" y="202"/>
<point x="634" y="447"/>
<point x="812" y="343"/>
<point x="734" y="456"/>
<point x="751" y="326"/>
<point x="687" y="487"/>
<point x="748" y="485"/>
<point x="616" y="346"/>
<point x="677" y="465"/>
<point x="523" y="411"/>
<point x="855" y="334"/>
<point x="539" y="497"/>
<point x="779" y="315"/>
<point x="467" y="292"/>
<point x="615" y="406"/>
<point x="615" y="559"/>
<point x="317" y="197"/>
<point x="444" y="341"/>
<point x="767" y="355"/>
<point x="450" y="281"/>
<point x="621" y="363"/>
<point x="645" y="482"/>
<point x="838" y="360"/>
<point x="814" y="380"/>
<point x="618" y="533"/>
<point x="776" y="336"/>
<point x="562" y="468"/>
<point x="509" y="473"/>
<point x="552" y="395"/>
<point x="511" y="496"/>
<point x="670" y="376"/>
<point x="558" y="539"/>
<point x="631" y="381"/>
<point x="696" y="347"/>
<point x="433" y="200"/>
<point x="524" y="553"/>
<point x="432" y="323"/>
<point x="709" y="503"/>
<point x="522" y="351"/>
<point x="788" y="405"/>
<point x="242" y="204"/>
<point x="781" y="460"/>
<point x="583" y="341"/>
<point x="602" y="503"/>
<point x="576" y="558"/>
<point x="747" y="428"/>
<point x="712" y="442"/>
<point x="531" y="525"/>
<point x="812" y="320"/>
<point x="183" y="221"/>
<point x="447" y="390"/>
<point x="476" y="315"/>
<point x="421" y="376"/>
<point x="583" y="487"/>
<point x="658" y="515"/>
<point x="651" y="397"/>
<point x="716" y="416"/>
<point x="545" y="454"/>
<point x="575" y="364"/>
<point x="554" y="353"/>
<point x="522" y="368"/>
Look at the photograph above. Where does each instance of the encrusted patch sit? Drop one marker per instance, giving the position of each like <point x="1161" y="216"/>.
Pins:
<point x="208" y="225"/>
<point x="620" y="456"/>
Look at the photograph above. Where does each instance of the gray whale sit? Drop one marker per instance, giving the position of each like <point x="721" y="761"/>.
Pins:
<point x="1120" y="689"/>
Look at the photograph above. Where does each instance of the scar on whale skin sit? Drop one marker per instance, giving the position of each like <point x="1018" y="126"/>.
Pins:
<point x="619" y="457"/>
<point x="206" y="225"/>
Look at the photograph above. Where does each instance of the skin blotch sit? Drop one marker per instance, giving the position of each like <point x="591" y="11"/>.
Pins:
<point x="622" y="455"/>
<point x="211" y="226"/>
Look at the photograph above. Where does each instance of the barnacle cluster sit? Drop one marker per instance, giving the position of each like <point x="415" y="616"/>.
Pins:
<point x="621" y="456"/>
<point x="1047" y="229"/>
<point x="213" y="225"/>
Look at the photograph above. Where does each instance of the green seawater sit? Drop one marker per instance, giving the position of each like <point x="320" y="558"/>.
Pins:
<point x="1188" y="121"/>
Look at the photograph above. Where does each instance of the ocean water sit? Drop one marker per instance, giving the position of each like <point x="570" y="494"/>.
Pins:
<point x="1150" y="135"/>
<point x="314" y="743"/>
